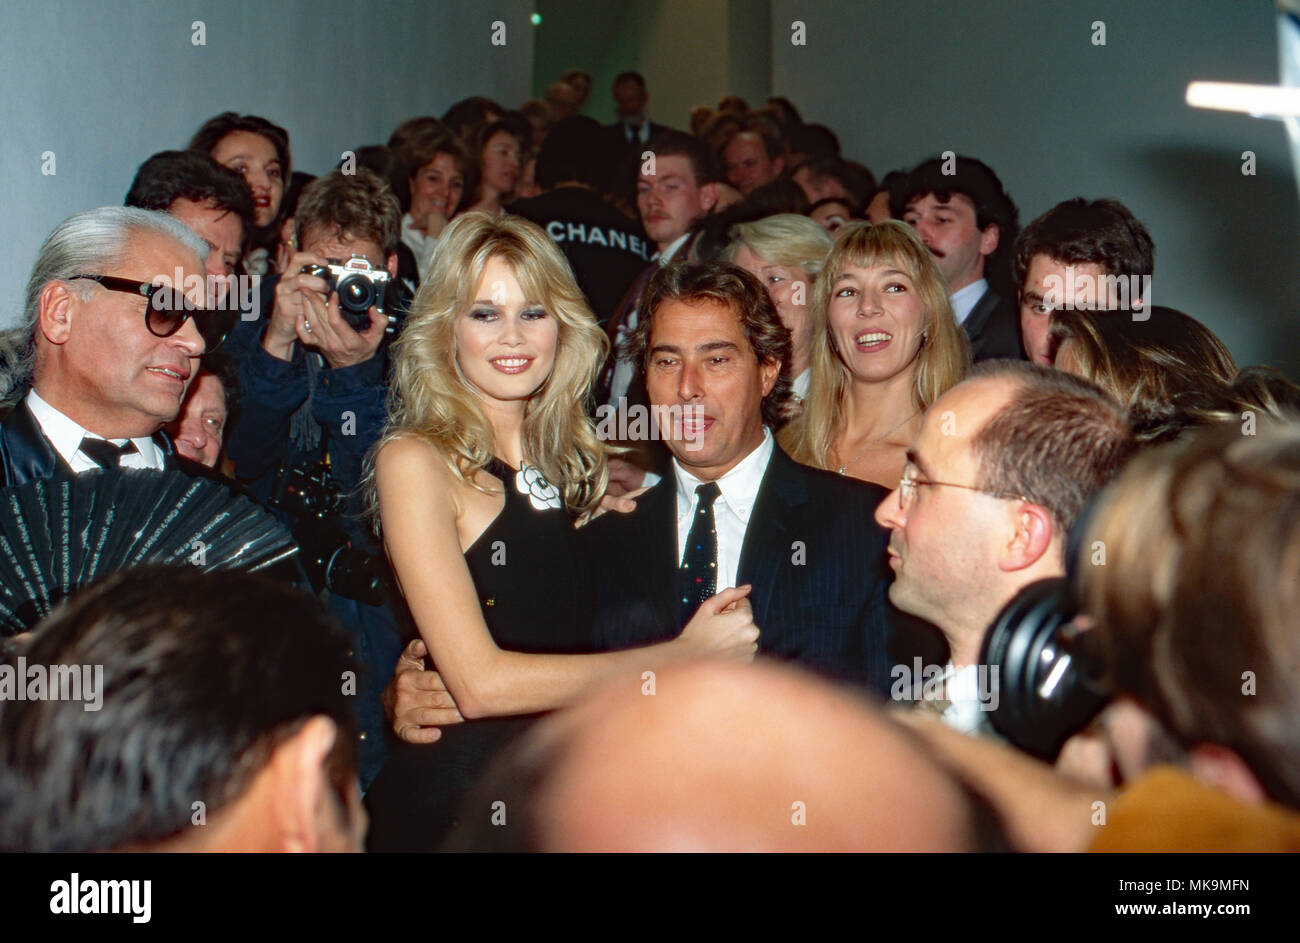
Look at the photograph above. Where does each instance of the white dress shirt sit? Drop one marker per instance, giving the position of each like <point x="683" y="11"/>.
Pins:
<point x="421" y="246"/>
<point x="967" y="711"/>
<point x="65" y="435"/>
<point x="624" y="370"/>
<point x="731" y="510"/>
<point x="964" y="300"/>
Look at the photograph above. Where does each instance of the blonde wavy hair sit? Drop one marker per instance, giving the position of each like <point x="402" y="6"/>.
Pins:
<point x="430" y="398"/>
<point x="941" y="364"/>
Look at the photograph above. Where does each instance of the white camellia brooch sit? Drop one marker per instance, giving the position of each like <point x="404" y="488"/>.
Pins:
<point x="542" y="493"/>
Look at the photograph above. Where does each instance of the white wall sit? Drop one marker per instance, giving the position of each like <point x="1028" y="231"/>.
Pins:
<point x="105" y="84"/>
<point x="1019" y="84"/>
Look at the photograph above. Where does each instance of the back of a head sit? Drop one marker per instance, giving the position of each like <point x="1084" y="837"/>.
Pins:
<point x="1057" y="441"/>
<point x="1078" y="231"/>
<point x="1165" y="367"/>
<point x="1197" y="603"/>
<point x="572" y="152"/>
<point x="722" y="758"/>
<point x="196" y="679"/>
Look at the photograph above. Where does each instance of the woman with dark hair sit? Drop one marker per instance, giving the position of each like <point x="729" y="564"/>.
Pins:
<point x="500" y="159"/>
<point x="488" y="460"/>
<point x="440" y="172"/>
<point x="259" y="151"/>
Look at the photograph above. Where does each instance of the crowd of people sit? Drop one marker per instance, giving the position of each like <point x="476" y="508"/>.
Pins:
<point x="571" y="423"/>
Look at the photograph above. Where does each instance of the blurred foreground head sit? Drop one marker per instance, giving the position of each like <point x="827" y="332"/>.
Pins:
<point x="196" y="712"/>
<point x="719" y="758"/>
<point x="1198" y="603"/>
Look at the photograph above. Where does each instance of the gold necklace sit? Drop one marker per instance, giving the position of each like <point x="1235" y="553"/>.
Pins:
<point x="843" y="469"/>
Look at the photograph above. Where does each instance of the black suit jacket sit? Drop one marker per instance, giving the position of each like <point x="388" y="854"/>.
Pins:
<point x="993" y="327"/>
<point x="814" y="554"/>
<point x="27" y="455"/>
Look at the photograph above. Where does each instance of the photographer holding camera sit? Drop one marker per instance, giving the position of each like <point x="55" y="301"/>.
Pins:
<point x="313" y="389"/>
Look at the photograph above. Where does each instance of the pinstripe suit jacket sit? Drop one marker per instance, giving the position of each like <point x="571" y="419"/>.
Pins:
<point x="813" y="552"/>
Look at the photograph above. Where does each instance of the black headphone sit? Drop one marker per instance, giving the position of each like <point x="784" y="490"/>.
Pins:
<point x="1048" y="672"/>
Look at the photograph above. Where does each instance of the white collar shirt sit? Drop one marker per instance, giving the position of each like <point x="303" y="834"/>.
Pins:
<point x="731" y="509"/>
<point x="66" y="435"/>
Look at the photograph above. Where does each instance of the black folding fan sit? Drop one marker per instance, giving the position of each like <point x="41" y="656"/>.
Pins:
<point x="60" y="534"/>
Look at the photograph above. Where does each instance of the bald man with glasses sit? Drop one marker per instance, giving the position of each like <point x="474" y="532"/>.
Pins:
<point x="1003" y="465"/>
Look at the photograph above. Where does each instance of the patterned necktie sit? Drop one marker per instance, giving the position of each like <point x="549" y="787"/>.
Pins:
<point x="698" y="576"/>
<point x="104" y="453"/>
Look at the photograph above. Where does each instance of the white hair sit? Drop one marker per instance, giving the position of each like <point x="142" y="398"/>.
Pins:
<point x="93" y="242"/>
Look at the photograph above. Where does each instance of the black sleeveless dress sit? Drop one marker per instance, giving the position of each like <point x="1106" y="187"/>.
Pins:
<point x="536" y="597"/>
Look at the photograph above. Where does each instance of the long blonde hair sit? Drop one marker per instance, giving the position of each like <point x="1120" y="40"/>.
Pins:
<point x="941" y="364"/>
<point x="430" y="398"/>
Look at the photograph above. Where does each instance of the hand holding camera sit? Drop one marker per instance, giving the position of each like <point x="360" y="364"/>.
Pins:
<point x="336" y="308"/>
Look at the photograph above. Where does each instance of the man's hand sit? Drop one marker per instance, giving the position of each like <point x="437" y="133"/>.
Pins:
<point x="323" y="328"/>
<point x="307" y="311"/>
<point x="624" y="477"/>
<point x="416" y="702"/>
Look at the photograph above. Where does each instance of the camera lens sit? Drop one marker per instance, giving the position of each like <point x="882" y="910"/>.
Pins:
<point x="356" y="293"/>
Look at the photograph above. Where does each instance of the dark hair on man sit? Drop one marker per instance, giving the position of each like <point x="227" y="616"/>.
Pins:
<point x="385" y="162"/>
<point x="976" y="181"/>
<point x="209" y="136"/>
<point x="1100" y="232"/>
<point x="204" y="675"/>
<point x="573" y="150"/>
<point x="698" y="282"/>
<point x="361" y="205"/>
<point x="734" y="104"/>
<point x="671" y="143"/>
<point x="630" y="77"/>
<point x="169" y="176"/>
<point x="895" y="184"/>
<point x="1057" y="442"/>
<point x="814" y="141"/>
<point x="767" y="131"/>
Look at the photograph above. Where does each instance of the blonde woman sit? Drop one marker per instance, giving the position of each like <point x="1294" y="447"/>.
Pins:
<point x="785" y="252"/>
<point x="488" y="460"/>
<point x="885" y="346"/>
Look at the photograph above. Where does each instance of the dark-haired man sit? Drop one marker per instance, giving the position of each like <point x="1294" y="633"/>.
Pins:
<point x="242" y="739"/>
<point x="752" y="157"/>
<point x="632" y="129"/>
<point x="674" y="190"/>
<point x="968" y="222"/>
<point x="1088" y="254"/>
<point x="211" y="199"/>
<point x="1003" y="464"/>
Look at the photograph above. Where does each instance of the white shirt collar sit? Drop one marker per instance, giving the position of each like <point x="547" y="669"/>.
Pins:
<point x="964" y="300"/>
<point x="739" y="486"/>
<point x="66" y="435"/>
<point x="663" y="258"/>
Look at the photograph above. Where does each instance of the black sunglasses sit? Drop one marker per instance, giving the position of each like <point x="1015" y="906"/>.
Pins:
<point x="167" y="308"/>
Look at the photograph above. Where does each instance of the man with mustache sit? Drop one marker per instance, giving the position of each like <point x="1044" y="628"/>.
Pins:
<point x="966" y="219"/>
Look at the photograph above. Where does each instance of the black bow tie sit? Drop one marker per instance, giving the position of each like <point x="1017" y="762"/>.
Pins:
<point x="104" y="453"/>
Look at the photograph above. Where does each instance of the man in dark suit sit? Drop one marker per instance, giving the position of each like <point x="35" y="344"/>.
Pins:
<point x="966" y="219"/>
<point x="632" y="129"/>
<point x="736" y="509"/>
<point x="107" y="347"/>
